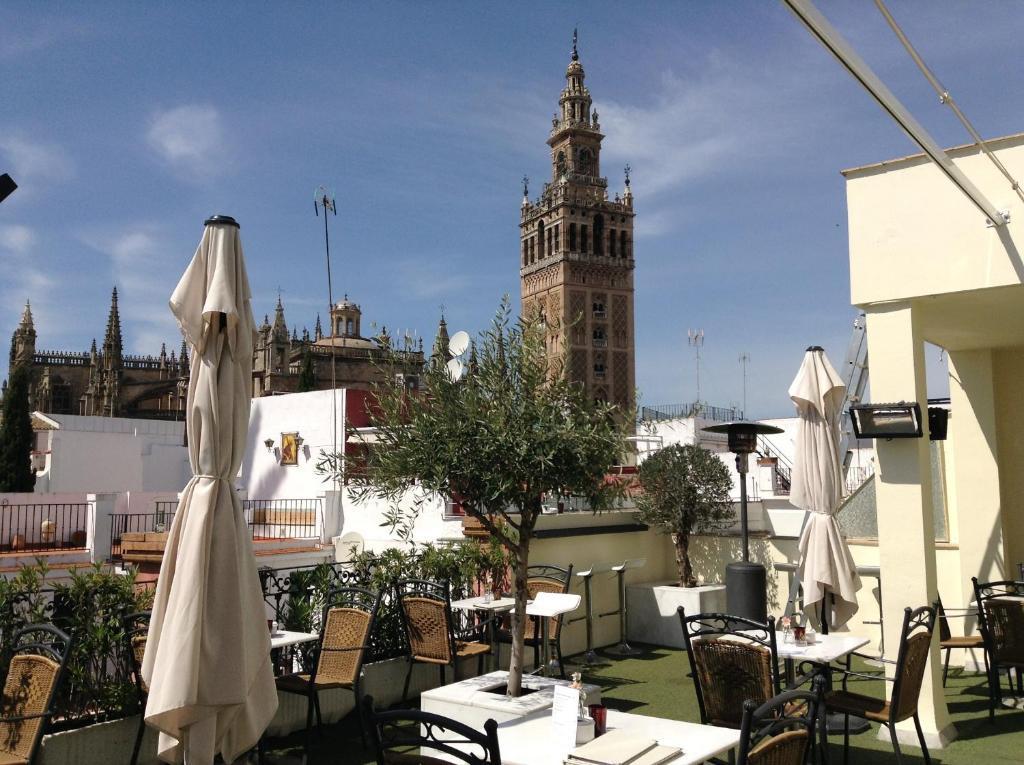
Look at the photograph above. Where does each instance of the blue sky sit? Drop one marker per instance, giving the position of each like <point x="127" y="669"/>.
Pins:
<point x="127" y="124"/>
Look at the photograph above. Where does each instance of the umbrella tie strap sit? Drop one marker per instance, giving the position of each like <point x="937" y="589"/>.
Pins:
<point x="211" y="477"/>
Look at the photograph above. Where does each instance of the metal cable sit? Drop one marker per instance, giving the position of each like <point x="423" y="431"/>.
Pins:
<point x="945" y="97"/>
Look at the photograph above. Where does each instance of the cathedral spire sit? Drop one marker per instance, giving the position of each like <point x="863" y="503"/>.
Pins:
<point x="112" y="341"/>
<point x="280" y="329"/>
<point x="26" y="317"/>
<point x="441" y="341"/>
<point x="318" y="331"/>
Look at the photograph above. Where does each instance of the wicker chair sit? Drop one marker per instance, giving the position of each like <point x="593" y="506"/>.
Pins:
<point x="948" y="641"/>
<point x="1001" y="618"/>
<point x="38" y="657"/>
<point x="918" y="628"/>
<point x="543" y="578"/>
<point x="400" y="738"/>
<point x="780" y="731"/>
<point x="427" y="618"/>
<point x="136" y="632"/>
<point x="349" y="614"/>
<point x="730" y="668"/>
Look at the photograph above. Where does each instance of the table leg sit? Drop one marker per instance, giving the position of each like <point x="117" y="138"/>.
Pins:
<point x="545" y="647"/>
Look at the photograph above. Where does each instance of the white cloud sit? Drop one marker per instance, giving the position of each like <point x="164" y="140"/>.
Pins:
<point x="34" y="163"/>
<point x="16" y="238"/>
<point x="190" y="138"/>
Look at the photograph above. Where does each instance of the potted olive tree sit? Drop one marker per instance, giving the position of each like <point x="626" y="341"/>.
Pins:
<point x="497" y="438"/>
<point x="685" y="489"/>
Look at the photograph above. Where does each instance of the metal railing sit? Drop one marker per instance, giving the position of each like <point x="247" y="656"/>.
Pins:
<point x="681" y="411"/>
<point x="39" y="527"/>
<point x="283" y="518"/>
<point x="138" y="523"/>
<point x="266" y="518"/>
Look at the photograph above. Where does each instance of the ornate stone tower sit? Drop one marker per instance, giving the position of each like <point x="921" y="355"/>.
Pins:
<point x="23" y="341"/>
<point x="576" y="257"/>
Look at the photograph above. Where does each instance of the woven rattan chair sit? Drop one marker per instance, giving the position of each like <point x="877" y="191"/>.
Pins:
<point x="427" y="617"/>
<point x="337" y="662"/>
<point x="730" y="668"/>
<point x="543" y="578"/>
<point x="1001" y="619"/>
<point x="911" y="661"/>
<point x="38" y="657"/>
<point x="136" y="631"/>
<point x="406" y="736"/>
<point x="948" y="641"/>
<point x="780" y="731"/>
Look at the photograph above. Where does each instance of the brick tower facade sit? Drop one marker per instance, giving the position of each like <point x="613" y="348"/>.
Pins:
<point x="576" y="257"/>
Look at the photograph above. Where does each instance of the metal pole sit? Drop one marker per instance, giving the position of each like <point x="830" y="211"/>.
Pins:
<point x="589" y="657"/>
<point x="741" y="468"/>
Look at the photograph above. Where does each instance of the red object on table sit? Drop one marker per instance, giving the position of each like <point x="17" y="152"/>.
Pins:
<point x="600" y="714"/>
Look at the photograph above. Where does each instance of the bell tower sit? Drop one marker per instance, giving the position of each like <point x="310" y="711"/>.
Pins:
<point x="576" y="253"/>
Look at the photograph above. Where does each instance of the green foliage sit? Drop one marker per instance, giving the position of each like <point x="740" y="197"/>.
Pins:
<point x="16" y="472"/>
<point x="510" y="431"/>
<point x="307" y="374"/>
<point x="685" y="489"/>
<point x="90" y="607"/>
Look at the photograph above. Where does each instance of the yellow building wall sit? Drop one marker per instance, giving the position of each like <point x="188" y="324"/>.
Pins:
<point x="1008" y="374"/>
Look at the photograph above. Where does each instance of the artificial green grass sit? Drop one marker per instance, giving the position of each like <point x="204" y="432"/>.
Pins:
<point x="655" y="683"/>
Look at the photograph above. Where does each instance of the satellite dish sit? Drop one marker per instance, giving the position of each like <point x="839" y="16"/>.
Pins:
<point x="455" y="369"/>
<point x="459" y="343"/>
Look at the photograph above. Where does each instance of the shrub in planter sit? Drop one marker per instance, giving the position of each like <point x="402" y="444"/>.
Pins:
<point x="685" y="489"/>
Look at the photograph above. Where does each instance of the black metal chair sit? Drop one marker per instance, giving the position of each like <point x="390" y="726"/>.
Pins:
<point x="349" y="614"/>
<point x="400" y="738"/>
<point x="1001" y="621"/>
<point x="733" y="660"/>
<point x="136" y="633"/>
<point x="948" y="641"/>
<point x="426" y="611"/>
<point x="543" y="577"/>
<point x="911" y="661"/>
<point x="38" y="659"/>
<point x="780" y="731"/>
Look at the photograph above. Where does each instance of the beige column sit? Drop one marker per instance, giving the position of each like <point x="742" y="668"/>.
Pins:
<point x="906" y="533"/>
<point x="973" y="485"/>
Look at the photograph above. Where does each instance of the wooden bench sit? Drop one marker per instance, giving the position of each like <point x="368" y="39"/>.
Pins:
<point x="143" y="546"/>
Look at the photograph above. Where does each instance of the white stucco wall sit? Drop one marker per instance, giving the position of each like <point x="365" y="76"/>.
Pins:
<point x="114" y="454"/>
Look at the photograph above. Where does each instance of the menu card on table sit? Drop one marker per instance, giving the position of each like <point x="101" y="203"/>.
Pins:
<point x="620" y="747"/>
<point x="565" y="710"/>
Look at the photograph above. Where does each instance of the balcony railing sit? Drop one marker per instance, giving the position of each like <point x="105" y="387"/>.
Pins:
<point x="38" y="527"/>
<point x="268" y="519"/>
<point x="283" y="518"/>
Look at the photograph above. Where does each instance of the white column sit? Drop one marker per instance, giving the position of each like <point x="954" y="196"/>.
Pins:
<point x="906" y="529"/>
<point x="97" y="531"/>
<point x="330" y="507"/>
<point x="973" y="485"/>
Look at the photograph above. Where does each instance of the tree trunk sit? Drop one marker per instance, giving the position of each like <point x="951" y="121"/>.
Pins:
<point x="682" y="544"/>
<point x="519" y="617"/>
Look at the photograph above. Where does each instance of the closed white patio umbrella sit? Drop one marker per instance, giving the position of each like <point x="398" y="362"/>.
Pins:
<point x="826" y="563"/>
<point x="207" y="661"/>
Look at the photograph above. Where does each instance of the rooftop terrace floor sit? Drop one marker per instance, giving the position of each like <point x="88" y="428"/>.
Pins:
<point x="655" y="683"/>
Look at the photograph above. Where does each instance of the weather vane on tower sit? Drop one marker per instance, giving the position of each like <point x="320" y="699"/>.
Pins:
<point x="526" y="186"/>
<point x="575" y="55"/>
<point x="627" y="170"/>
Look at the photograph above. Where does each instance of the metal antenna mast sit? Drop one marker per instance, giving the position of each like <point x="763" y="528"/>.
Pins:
<point x="323" y="199"/>
<point x="744" y="360"/>
<point x="695" y="339"/>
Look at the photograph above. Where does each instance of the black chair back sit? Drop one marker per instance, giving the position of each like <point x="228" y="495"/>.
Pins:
<point x="347" y="621"/>
<point x="410" y="730"/>
<point x="779" y="731"/>
<point x="911" y="661"/>
<point x="426" y="612"/>
<point x="728" y="672"/>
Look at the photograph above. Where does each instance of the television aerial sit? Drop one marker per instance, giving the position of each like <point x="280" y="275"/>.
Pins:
<point x="457" y="348"/>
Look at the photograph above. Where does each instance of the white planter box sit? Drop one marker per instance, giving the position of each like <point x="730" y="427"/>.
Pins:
<point x="651" y="610"/>
<point x="472" y="701"/>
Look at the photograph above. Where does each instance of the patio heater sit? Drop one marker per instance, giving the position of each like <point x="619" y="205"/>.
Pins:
<point x="745" y="582"/>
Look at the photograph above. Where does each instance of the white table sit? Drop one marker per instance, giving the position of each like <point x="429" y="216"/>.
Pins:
<point x="530" y="740"/>
<point x="824" y="650"/>
<point x="285" y="638"/>
<point x="493" y="606"/>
